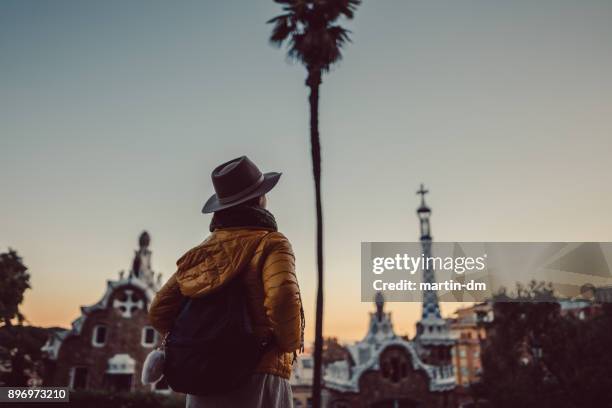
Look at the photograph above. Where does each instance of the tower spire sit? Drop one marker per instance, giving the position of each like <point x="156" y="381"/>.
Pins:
<point x="381" y="327"/>
<point x="433" y="339"/>
<point x="424" y="213"/>
<point x="380" y="305"/>
<point x="431" y="309"/>
<point x="141" y="265"/>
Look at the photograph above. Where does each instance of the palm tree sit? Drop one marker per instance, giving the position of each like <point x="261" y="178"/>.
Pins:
<point x="313" y="37"/>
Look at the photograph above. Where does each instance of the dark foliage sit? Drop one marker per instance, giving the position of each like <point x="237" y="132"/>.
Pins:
<point x="14" y="280"/>
<point x="309" y="27"/>
<point x="20" y="352"/>
<point x="536" y="357"/>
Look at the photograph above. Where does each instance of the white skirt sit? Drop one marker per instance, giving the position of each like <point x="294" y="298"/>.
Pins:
<point x="261" y="391"/>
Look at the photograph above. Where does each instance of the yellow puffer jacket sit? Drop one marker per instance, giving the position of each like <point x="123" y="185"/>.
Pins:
<point x="264" y="260"/>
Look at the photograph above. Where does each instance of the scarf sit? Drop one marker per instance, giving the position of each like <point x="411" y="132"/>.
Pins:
<point x="243" y="216"/>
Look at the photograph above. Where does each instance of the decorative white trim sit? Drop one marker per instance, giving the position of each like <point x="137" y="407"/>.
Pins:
<point x="128" y="304"/>
<point x="71" y="378"/>
<point x="51" y="347"/>
<point x="121" y="364"/>
<point x="165" y="391"/>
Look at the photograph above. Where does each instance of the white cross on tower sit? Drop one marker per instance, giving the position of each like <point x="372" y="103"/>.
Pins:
<point x="128" y="306"/>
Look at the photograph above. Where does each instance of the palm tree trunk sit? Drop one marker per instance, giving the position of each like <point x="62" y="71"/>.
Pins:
<point x="313" y="82"/>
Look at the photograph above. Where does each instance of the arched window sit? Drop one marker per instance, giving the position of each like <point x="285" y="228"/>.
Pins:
<point x="149" y="336"/>
<point x="394" y="364"/>
<point x="98" y="338"/>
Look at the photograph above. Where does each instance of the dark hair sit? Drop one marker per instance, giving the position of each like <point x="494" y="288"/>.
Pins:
<point x="253" y="202"/>
<point x="249" y="213"/>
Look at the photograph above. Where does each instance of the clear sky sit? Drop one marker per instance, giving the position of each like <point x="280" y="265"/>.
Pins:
<point x="113" y="113"/>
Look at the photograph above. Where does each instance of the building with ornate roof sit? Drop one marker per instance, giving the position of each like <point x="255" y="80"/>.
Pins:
<point x="469" y="326"/>
<point x="108" y="343"/>
<point x="386" y="370"/>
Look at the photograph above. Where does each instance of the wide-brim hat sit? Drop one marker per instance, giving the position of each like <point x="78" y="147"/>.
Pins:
<point x="237" y="181"/>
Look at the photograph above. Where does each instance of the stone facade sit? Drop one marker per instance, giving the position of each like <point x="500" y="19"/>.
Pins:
<point x="108" y="343"/>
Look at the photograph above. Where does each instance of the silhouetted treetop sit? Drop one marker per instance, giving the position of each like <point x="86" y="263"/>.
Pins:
<point x="310" y="29"/>
<point x="14" y="280"/>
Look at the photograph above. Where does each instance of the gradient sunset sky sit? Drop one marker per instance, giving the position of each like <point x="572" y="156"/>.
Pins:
<point x="113" y="113"/>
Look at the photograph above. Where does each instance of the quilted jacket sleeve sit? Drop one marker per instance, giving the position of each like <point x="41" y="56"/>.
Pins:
<point x="165" y="306"/>
<point x="282" y="293"/>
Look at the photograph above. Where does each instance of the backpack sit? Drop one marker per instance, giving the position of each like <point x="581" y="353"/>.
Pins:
<point x="211" y="348"/>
